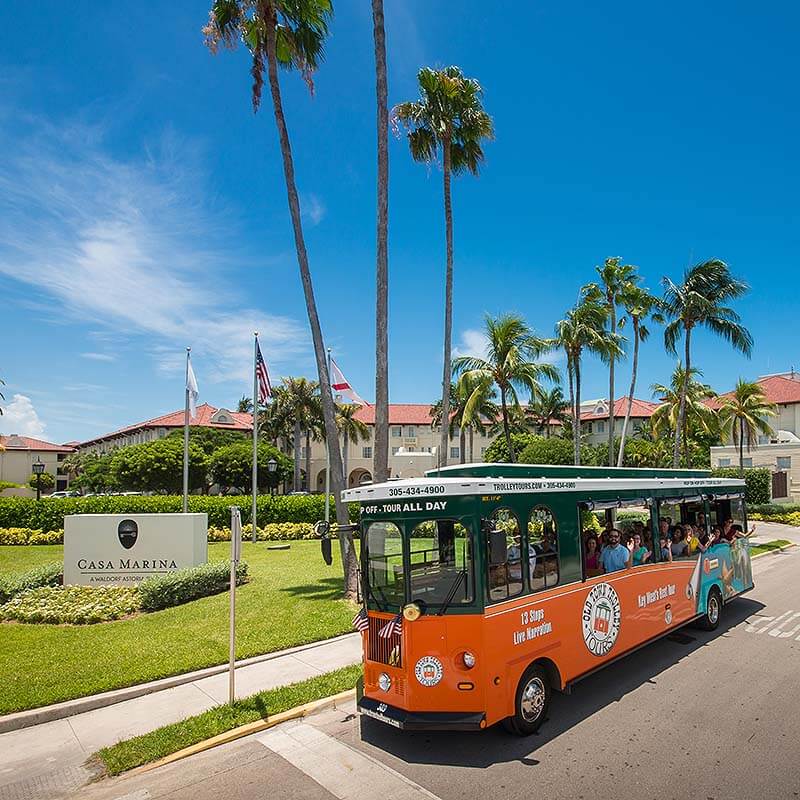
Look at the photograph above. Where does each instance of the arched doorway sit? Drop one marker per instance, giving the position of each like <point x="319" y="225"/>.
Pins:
<point x="321" y="480"/>
<point x="358" y="477"/>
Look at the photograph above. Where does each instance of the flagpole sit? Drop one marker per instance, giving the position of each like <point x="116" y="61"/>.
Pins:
<point x="328" y="460"/>
<point x="186" y="438"/>
<point x="255" y="436"/>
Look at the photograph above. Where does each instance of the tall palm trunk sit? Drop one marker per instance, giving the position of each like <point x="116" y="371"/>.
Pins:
<point x="506" y="429"/>
<point x="621" y="457"/>
<point x="576" y="428"/>
<point x="308" y="460"/>
<point x="380" y="467"/>
<point x="572" y="398"/>
<point x="337" y="478"/>
<point x="448" y="306"/>
<point x="471" y="445"/>
<point x="681" y="421"/>
<point x="297" y="436"/>
<point x="462" y="446"/>
<point x="345" y="455"/>
<point x="611" y="389"/>
<point x="741" y="447"/>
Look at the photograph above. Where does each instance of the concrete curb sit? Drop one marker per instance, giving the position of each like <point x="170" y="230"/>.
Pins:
<point x="776" y="550"/>
<point x="37" y="716"/>
<point x="306" y="710"/>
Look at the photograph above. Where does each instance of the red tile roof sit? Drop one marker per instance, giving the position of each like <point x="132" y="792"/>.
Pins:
<point x="399" y="414"/>
<point x="15" y="442"/>
<point x="640" y="409"/>
<point x="777" y="389"/>
<point x="242" y="422"/>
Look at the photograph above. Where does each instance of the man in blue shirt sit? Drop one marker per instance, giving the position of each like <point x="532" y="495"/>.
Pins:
<point x="616" y="556"/>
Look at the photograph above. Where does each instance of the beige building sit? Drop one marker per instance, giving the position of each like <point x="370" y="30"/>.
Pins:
<point x="779" y="452"/>
<point x="595" y="417"/>
<point x="18" y="454"/>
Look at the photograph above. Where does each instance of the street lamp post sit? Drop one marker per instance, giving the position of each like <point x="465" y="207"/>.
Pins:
<point x="38" y="469"/>
<point x="272" y="466"/>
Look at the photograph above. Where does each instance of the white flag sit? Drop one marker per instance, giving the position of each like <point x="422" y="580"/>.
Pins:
<point x="340" y="384"/>
<point x="191" y="387"/>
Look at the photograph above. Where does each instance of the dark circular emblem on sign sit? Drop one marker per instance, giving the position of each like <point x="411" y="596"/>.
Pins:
<point x="128" y="532"/>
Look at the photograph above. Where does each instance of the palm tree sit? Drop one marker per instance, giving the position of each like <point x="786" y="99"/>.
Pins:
<point x="583" y="329"/>
<point x="352" y="430"/>
<point x="245" y="405"/>
<point x="380" y="468"/>
<point x="510" y="364"/>
<point x="699" y="301"/>
<point x="301" y="404"/>
<point x="436" y="415"/>
<point x="743" y="415"/>
<point x="640" y="307"/>
<point x="698" y="415"/>
<point x="475" y="409"/>
<point x="2" y="396"/>
<point x="449" y="118"/>
<point x="290" y="34"/>
<point x="615" y="279"/>
<point x="547" y="406"/>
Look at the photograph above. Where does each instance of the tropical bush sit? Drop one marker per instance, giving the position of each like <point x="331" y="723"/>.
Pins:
<point x="772" y="509"/>
<point x="758" y="480"/>
<point x="17" y="582"/>
<point x="14" y="536"/>
<point x="9" y="485"/>
<point x="74" y="605"/>
<point x="175" y="588"/>
<point x="48" y="514"/>
<point x="273" y="531"/>
<point x="46" y="481"/>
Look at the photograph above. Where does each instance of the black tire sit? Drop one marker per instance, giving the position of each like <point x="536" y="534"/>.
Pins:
<point x="710" y="620"/>
<point x="531" y="702"/>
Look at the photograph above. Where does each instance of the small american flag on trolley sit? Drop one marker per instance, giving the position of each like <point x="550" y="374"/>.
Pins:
<point x="264" y="387"/>
<point x="361" y="621"/>
<point x="393" y="626"/>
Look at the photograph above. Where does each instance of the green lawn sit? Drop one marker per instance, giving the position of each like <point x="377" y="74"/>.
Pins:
<point x="292" y="598"/>
<point x="767" y="547"/>
<point x="171" y="738"/>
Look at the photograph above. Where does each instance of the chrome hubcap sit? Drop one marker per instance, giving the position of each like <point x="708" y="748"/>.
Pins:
<point x="713" y="609"/>
<point x="532" y="703"/>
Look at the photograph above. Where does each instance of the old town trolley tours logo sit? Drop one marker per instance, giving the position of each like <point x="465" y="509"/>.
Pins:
<point x="601" y="619"/>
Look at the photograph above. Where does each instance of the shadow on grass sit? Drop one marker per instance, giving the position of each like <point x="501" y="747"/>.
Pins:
<point x="494" y="745"/>
<point x="326" y="589"/>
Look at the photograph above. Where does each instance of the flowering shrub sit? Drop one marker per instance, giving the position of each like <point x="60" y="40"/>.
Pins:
<point x="16" y="536"/>
<point x="272" y="531"/>
<point x="16" y="583"/>
<point x="174" y="588"/>
<point x="74" y="605"/>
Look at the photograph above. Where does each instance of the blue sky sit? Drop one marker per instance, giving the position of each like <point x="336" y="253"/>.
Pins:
<point x="142" y="205"/>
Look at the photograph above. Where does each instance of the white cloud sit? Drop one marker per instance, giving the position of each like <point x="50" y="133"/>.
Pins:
<point x="130" y="247"/>
<point x="312" y="208"/>
<point x="473" y="343"/>
<point x="99" y="356"/>
<point x="20" y="417"/>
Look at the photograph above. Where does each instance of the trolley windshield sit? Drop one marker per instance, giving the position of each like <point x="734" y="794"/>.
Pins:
<point x="429" y="562"/>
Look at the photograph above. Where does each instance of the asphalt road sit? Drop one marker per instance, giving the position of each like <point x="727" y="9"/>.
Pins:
<point x="696" y="715"/>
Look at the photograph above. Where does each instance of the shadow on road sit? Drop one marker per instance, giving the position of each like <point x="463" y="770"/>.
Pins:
<point x="482" y="749"/>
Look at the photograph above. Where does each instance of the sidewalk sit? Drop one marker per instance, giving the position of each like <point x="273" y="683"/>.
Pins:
<point x="46" y="760"/>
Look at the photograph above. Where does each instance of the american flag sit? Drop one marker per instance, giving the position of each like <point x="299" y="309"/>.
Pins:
<point x="394" y="625"/>
<point x="264" y="388"/>
<point x="361" y="621"/>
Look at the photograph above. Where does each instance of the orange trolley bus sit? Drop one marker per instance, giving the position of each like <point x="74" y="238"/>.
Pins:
<point x="478" y="599"/>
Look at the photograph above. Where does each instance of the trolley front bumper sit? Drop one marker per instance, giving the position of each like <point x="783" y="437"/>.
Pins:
<point x="422" y="720"/>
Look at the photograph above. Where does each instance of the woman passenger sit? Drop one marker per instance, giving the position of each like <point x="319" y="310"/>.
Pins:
<point x="679" y="546"/>
<point x="640" y="553"/>
<point x="592" y="556"/>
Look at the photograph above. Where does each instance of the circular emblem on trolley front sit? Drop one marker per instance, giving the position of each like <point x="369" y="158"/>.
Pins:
<point x="429" y="671"/>
<point x="601" y="619"/>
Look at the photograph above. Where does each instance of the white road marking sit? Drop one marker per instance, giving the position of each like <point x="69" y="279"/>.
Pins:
<point x="344" y="772"/>
<point x="786" y="634"/>
<point x="776" y="624"/>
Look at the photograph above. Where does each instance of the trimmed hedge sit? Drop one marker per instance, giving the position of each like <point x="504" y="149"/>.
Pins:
<point x="758" y="480"/>
<point x="74" y="605"/>
<point x="789" y="518"/>
<point x="773" y="509"/>
<point x="48" y="514"/>
<point x="12" y="536"/>
<point x="18" y="582"/>
<point x="175" y="588"/>
<point x="272" y="532"/>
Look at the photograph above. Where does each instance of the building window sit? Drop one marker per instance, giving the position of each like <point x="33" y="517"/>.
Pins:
<point x="784" y="462"/>
<point x="589" y="427"/>
<point x="411" y="431"/>
<point x="395" y="451"/>
<point x="747" y="462"/>
<point x="366" y="452"/>
<point x="455" y="452"/>
<point x="411" y="449"/>
<point x="397" y="432"/>
<point x="724" y="462"/>
<point x="601" y="427"/>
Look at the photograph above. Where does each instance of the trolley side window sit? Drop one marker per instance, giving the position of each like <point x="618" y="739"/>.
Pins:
<point x="385" y="562"/>
<point x="505" y="579"/>
<point x="543" y="562"/>
<point x="440" y="558"/>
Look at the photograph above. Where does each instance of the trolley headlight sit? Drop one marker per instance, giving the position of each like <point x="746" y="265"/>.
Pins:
<point x="412" y="611"/>
<point x="468" y="659"/>
<point x="384" y="682"/>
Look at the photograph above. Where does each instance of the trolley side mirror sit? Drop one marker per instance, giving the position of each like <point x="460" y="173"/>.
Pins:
<point x="327" y="556"/>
